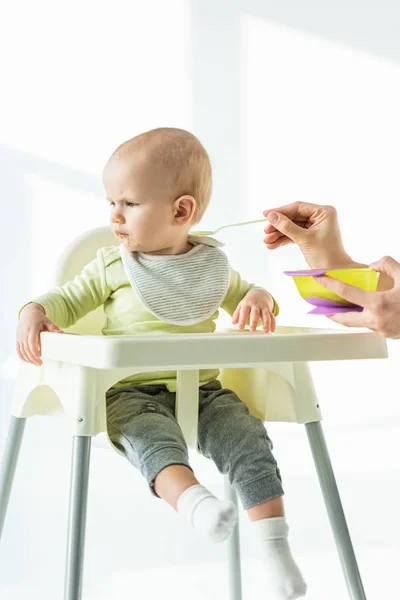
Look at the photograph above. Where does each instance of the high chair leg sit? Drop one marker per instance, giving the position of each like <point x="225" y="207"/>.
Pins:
<point x="233" y="545"/>
<point x="9" y="463"/>
<point x="77" y="517"/>
<point x="335" y="511"/>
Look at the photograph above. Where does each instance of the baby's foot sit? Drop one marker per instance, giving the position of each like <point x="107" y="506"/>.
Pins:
<point x="220" y="520"/>
<point x="285" y="580"/>
<point x="207" y="514"/>
<point x="283" y="573"/>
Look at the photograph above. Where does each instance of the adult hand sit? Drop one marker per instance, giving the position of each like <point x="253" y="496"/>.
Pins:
<point x="381" y="309"/>
<point x="314" y="228"/>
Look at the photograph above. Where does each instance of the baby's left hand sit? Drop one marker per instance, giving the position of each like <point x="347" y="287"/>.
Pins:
<point x="258" y="305"/>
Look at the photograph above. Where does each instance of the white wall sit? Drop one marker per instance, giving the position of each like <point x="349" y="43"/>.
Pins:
<point x="293" y="103"/>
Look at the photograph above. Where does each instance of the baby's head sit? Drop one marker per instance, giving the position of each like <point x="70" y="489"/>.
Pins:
<point x="158" y="185"/>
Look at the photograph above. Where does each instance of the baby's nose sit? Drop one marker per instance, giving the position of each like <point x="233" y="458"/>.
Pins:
<point x="117" y="217"/>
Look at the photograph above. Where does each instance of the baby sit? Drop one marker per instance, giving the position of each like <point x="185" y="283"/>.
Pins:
<point x="163" y="280"/>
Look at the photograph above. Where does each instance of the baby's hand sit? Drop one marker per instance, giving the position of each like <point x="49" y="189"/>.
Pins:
<point x="31" y="323"/>
<point x="258" y="305"/>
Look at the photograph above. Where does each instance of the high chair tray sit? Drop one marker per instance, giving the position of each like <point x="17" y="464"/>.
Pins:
<point x="222" y="349"/>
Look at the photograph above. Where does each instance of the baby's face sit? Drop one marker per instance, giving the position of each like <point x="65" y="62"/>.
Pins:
<point x="142" y="213"/>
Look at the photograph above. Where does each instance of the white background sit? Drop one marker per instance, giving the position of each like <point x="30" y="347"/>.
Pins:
<point x="294" y="101"/>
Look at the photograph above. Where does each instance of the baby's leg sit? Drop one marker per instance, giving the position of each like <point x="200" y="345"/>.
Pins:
<point x="239" y="445"/>
<point x="208" y="515"/>
<point x="171" y="482"/>
<point x="141" y="423"/>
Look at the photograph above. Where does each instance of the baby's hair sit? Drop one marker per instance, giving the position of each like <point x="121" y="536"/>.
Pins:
<point x="182" y="157"/>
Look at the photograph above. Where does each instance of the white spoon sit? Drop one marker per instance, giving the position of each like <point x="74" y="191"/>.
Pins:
<point x="202" y="233"/>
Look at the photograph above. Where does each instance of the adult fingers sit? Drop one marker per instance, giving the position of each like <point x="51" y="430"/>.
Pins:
<point x="353" y="319"/>
<point x="295" y="211"/>
<point x="286" y="226"/>
<point x="346" y="291"/>
<point x="271" y="229"/>
<point x="282" y="241"/>
<point x="271" y="238"/>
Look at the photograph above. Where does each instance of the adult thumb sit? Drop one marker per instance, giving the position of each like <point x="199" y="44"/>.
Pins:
<point x="286" y="226"/>
<point x="389" y="266"/>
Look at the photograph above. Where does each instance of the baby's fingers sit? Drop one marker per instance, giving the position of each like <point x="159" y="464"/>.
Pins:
<point x="29" y="356"/>
<point x="273" y="321"/>
<point x="269" y="321"/>
<point x="21" y="352"/>
<point x="235" y="315"/>
<point x="50" y="326"/>
<point x="243" y="317"/>
<point x="31" y="347"/>
<point x="254" y="318"/>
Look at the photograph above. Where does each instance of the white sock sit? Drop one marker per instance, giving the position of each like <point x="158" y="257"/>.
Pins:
<point x="206" y="513"/>
<point x="284" y="575"/>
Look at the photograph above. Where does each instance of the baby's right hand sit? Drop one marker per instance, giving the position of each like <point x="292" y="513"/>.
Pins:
<point x="31" y="323"/>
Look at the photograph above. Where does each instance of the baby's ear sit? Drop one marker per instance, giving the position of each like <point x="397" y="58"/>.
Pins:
<point x="184" y="208"/>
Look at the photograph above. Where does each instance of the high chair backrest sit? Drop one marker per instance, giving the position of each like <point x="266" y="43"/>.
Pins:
<point x="75" y="256"/>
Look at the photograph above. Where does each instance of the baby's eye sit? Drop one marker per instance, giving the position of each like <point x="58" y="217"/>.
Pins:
<point x="129" y="204"/>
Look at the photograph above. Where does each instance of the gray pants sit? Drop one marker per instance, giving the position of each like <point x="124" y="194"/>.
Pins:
<point x="142" y="424"/>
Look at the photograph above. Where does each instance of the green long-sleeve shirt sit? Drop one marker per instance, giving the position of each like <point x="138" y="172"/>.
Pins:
<point x="104" y="281"/>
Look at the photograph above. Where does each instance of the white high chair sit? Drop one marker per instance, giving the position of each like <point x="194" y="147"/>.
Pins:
<point x="79" y="366"/>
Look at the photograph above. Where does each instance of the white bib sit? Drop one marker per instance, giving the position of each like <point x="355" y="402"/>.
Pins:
<point x="181" y="289"/>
